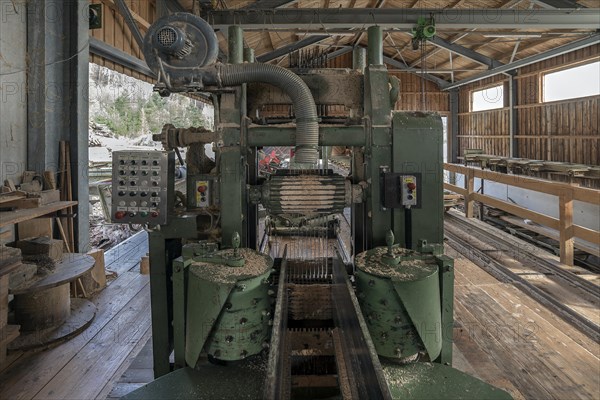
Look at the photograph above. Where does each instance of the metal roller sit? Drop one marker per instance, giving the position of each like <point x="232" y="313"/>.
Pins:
<point x="308" y="194"/>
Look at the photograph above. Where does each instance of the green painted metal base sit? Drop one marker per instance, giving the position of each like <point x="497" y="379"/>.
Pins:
<point x="434" y="381"/>
<point x="208" y="381"/>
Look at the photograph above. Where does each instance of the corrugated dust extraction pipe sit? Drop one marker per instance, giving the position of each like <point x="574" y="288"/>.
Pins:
<point x="307" y="122"/>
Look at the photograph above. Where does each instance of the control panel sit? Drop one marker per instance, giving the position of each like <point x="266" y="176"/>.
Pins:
<point x="401" y="190"/>
<point x="143" y="186"/>
<point x="408" y="190"/>
<point x="203" y="193"/>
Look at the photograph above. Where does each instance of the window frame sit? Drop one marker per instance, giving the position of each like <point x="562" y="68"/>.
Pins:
<point x="542" y="76"/>
<point x="487" y="87"/>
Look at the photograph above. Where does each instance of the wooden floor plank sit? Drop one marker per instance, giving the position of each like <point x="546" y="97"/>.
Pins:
<point x="460" y="362"/>
<point x="571" y="296"/>
<point x="559" y="351"/>
<point x="127" y="254"/>
<point x="33" y="371"/>
<point x="519" y="348"/>
<point x="481" y="361"/>
<point x="502" y="357"/>
<point x="86" y="374"/>
<point x="146" y="376"/>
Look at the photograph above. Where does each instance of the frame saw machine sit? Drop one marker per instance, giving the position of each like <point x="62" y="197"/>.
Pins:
<point x="311" y="281"/>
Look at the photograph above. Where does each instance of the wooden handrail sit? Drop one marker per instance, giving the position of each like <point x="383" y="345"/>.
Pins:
<point x="586" y="195"/>
<point x="566" y="195"/>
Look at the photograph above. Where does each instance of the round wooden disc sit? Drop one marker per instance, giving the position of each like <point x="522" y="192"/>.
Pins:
<point x="82" y="314"/>
<point x="70" y="268"/>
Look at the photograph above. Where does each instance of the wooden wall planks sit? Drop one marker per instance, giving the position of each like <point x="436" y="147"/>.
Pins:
<point x="411" y="98"/>
<point x="115" y="32"/>
<point x="565" y="131"/>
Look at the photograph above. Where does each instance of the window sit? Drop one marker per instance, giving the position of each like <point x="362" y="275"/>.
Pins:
<point x="572" y="83"/>
<point x="488" y="99"/>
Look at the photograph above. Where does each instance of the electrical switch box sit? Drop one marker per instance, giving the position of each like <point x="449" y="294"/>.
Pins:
<point x="142" y="186"/>
<point x="401" y="190"/>
<point x="408" y="190"/>
<point x="203" y="193"/>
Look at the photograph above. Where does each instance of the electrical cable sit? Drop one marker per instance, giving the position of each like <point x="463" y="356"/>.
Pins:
<point x="85" y="47"/>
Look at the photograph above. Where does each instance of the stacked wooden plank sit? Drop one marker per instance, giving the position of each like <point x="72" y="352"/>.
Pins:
<point x="10" y="260"/>
<point x="533" y="167"/>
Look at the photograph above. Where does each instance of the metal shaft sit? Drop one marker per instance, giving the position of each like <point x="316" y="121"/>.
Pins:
<point x="359" y="59"/>
<point x="375" y="45"/>
<point x="249" y="55"/>
<point x="236" y="45"/>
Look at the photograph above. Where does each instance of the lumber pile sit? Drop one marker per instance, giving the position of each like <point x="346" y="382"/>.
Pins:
<point x="10" y="259"/>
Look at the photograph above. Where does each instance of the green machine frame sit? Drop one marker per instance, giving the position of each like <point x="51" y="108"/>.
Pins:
<point x="385" y="142"/>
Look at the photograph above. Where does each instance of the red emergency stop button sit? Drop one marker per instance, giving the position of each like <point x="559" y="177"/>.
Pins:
<point x="411" y="186"/>
<point x="202" y="189"/>
<point x="120" y="214"/>
<point x="154" y="214"/>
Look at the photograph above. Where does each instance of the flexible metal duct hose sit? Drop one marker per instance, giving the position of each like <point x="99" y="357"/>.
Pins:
<point x="307" y="125"/>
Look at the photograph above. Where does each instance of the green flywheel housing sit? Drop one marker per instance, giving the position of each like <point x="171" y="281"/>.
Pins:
<point x="399" y="294"/>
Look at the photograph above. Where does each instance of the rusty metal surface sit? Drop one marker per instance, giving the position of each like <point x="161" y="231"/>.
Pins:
<point x="362" y="360"/>
<point x="310" y="301"/>
<point x="321" y="345"/>
<point x="278" y="367"/>
<point x="341" y="88"/>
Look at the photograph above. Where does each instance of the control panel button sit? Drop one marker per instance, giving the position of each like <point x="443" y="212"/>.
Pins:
<point x="120" y="214"/>
<point x="132" y="194"/>
<point x="143" y="194"/>
<point x="408" y="191"/>
<point x="133" y="173"/>
<point x="154" y="214"/>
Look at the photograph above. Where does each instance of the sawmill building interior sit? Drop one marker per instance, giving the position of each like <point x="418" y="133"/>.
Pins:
<point x="327" y="199"/>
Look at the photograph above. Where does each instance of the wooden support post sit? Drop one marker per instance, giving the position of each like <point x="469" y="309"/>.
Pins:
<point x="470" y="187"/>
<point x="566" y="227"/>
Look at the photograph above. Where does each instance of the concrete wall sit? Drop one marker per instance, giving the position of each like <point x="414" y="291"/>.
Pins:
<point x="44" y="61"/>
<point x="13" y="89"/>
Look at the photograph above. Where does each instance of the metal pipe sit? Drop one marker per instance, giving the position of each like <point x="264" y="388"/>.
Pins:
<point x="249" y="55"/>
<point x="236" y="45"/>
<point x="359" y="59"/>
<point x="375" y="45"/>
<point x="129" y="20"/>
